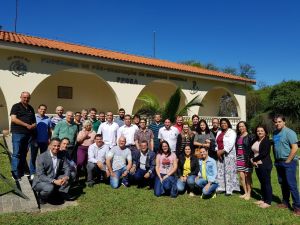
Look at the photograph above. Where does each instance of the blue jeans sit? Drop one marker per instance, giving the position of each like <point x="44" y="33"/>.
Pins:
<point x="286" y="173"/>
<point x="20" y="144"/>
<point x="34" y="147"/>
<point x="188" y="184"/>
<point x="115" y="181"/>
<point x="168" y="185"/>
<point x="138" y="177"/>
<point x="202" y="183"/>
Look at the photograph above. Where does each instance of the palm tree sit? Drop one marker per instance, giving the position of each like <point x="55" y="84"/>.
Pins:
<point x="150" y="105"/>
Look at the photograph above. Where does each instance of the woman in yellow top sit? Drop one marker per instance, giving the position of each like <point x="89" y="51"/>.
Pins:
<point x="188" y="168"/>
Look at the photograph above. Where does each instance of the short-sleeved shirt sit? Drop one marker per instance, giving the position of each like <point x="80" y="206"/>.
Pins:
<point x="119" y="121"/>
<point x="43" y="124"/>
<point x="283" y="139"/>
<point x="166" y="163"/>
<point x="128" y="132"/>
<point x="169" y="135"/>
<point x="155" y="128"/>
<point x="144" y="135"/>
<point x="109" y="133"/>
<point x="119" y="157"/>
<point x="25" y="114"/>
<point x="55" y="120"/>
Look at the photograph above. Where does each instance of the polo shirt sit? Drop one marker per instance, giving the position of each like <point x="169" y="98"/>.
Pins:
<point x="95" y="124"/>
<point x="43" y="124"/>
<point x="25" y="114"/>
<point x="283" y="139"/>
<point x="64" y="129"/>
<point x="169" y="135"/>
<point x="155" y="128"/>
<point x="109" y="133"/>
<point x="128" y="132"/>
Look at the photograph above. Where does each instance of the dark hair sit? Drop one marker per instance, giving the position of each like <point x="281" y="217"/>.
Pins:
<point x="279" y="116"/>
<point x="198" y="129"/>
<point x="144" y="120"/>
<point x="93" y="109"/>
<point x="195" y="116"/>
<point x="227" y="121"/>
<point x="144" y="141"/>
<point x="167" y="119"/>
<point x="42" y="105"/>
<point x="263" y="127"/>
<point x="101" y="113"/>
<point x="136" y="116"/>
<point x="98" y="135"/>
<point x="65" y="138"/>
<point x="77" y="113"/>
<point x="237" y="127"/>
<point x="121" y="110"/>
<point x="55" y="139"/>
<point x="127" y="115"/>
<point x="160" y="150"/>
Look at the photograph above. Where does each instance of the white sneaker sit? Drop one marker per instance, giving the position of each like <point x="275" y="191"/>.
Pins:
<point x="31" y="176"/>
<point x="191" y="194"/>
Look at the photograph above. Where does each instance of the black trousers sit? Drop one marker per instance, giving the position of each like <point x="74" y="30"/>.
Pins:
<point x="264" y="177"/>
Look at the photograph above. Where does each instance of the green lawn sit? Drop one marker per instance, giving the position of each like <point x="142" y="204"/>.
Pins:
<point x="102" y="205"/>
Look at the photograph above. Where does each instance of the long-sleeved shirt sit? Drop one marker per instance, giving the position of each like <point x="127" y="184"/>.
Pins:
<point x="97" y="154"/>
<point x="64" y="129"/>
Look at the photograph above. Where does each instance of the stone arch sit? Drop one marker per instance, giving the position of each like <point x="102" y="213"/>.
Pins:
<point x="162" y="89"/>
<point x="88" y="90"/>
<point x="4" y="116"/>
<point x="211" y="102"/>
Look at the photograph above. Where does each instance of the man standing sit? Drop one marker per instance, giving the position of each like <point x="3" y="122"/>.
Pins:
<point x="67" y="128"/>
<point x="179" y="123"/>
<point x="58" y="117"/>
<point x="119" y="162"/>
<point x="155" y="126"/>
<point x="215" y="126"/>
<point x="93" y="119"/>
<point x="109" y="130"/>
<point x="285" y="149"/>
<point x="42" y="137"/>
<point x="23" y="124"/>
<point x="102" y="117"/>
<point x="195" y="121"/>
<point x="97" y="160"/>
<point x="84" y="115"/>
<point x="143" y="168"/>
<point x="128" y="130"/>
<point x="144" y="134"/>
<point x="77" y="121"/>
<point x="120" y="120"/>
<point x="168" y="133"/>
<point x="52" y="173"/>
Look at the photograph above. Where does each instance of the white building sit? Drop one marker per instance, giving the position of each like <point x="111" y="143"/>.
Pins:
<point x="76" y="77"/>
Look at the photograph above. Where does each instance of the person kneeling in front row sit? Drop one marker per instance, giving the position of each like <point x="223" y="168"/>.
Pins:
<point x="143" y="168"/>
<point x="166" y="167"/>
<point x="96" y="166"/>
<point x="116" y="163"/>
<point x="206" y="178"/>
<point x="52" y="173"/>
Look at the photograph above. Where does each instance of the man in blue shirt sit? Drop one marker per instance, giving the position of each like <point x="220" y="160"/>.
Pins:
<point x="155" y="126"/>
<point x="120" y="120"/>
<point x="285" y="150"/>
<point x="41" y="137"/>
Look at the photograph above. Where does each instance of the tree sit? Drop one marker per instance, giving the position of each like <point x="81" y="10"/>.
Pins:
<point x="246" y="70"/>
<point x="150" y="105"/>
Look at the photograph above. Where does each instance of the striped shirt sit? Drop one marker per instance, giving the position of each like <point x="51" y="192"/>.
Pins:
<point x="155" y="128"/>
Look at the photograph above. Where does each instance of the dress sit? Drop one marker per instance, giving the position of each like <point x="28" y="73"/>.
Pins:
<point x="227" y="176"/>
<point x="241" y="163"/>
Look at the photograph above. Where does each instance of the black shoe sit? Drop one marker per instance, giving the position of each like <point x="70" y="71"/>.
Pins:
<point x="41" y="200"/>
<point x="67" y="197"/>
<point x="90" y="184"/>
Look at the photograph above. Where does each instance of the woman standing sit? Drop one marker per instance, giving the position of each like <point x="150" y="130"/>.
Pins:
<point x="185" y="138"/>
<point x="226" y="153"/>
<point x="84" y="139"/>
<point x="204" y="138"/>
<point x="244" y="166"/>
<point x="188" y="169"/>
<point x="261" y="160"/>
<point x="166" y="167"/>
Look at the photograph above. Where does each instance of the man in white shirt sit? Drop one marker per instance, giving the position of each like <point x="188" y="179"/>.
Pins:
<point x="96" y="166"/>
<point x="128" y="130"/>
<point x="109" y="130"/>
<point x="168" y="133"/>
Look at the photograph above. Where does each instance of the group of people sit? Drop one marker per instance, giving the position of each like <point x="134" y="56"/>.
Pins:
<point x="171" y="159"/>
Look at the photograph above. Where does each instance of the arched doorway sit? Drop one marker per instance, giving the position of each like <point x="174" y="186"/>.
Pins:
<point x="162" y="90"/>
<point x="219" y="101"/>
<point x="4" y="122"/>
<point x="75" y="90"/>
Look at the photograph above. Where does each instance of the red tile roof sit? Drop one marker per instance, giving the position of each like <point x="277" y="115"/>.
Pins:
<point x="84" y="50"/>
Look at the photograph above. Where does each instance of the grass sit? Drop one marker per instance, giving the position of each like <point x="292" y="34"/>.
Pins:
<point x="103" y="205"/>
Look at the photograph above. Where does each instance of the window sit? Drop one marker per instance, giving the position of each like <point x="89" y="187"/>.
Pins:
<point x="64" y="92"/>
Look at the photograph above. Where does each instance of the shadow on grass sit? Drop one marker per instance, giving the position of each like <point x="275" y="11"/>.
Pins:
<point x="256" y="194"/>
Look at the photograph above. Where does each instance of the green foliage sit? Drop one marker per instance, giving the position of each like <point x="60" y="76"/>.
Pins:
<point x="150" y="105"/>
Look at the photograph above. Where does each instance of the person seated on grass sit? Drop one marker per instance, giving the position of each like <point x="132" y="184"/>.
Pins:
<point x="188" y="169"/>
<point x="166" y="167"/>
<point x="119" y="162"/>
<point x="52" y="173"/>
<point x="64" y="153"/>
<point x="207" y="175"/>
<point x="143" y="168"/>
<point x="96" y="167"/>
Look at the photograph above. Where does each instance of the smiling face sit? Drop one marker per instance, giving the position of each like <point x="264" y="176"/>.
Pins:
<point x="69" y="116"/>
<point x="42" y="110"/>
<point x="25" y="98"/>
<point x="59" y="110"/>
<point x="242" y="128"/>
<point x="279" y="123"/>
<point x="202" y="126"/>
<point x="64" y="145"/>
<point x="203" y="153"/>
<point x="54" y="147"/>
<point x="167" y="123"/>
<point x="185" y="128"/>
<point x="187" y="150"/>
<point x="224" y="125"/>
<point x="165" y="148"/>
<point x="261" y="133"/>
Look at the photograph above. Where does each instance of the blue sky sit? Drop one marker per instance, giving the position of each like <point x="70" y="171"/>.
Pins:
<point x="262" y="33"/>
